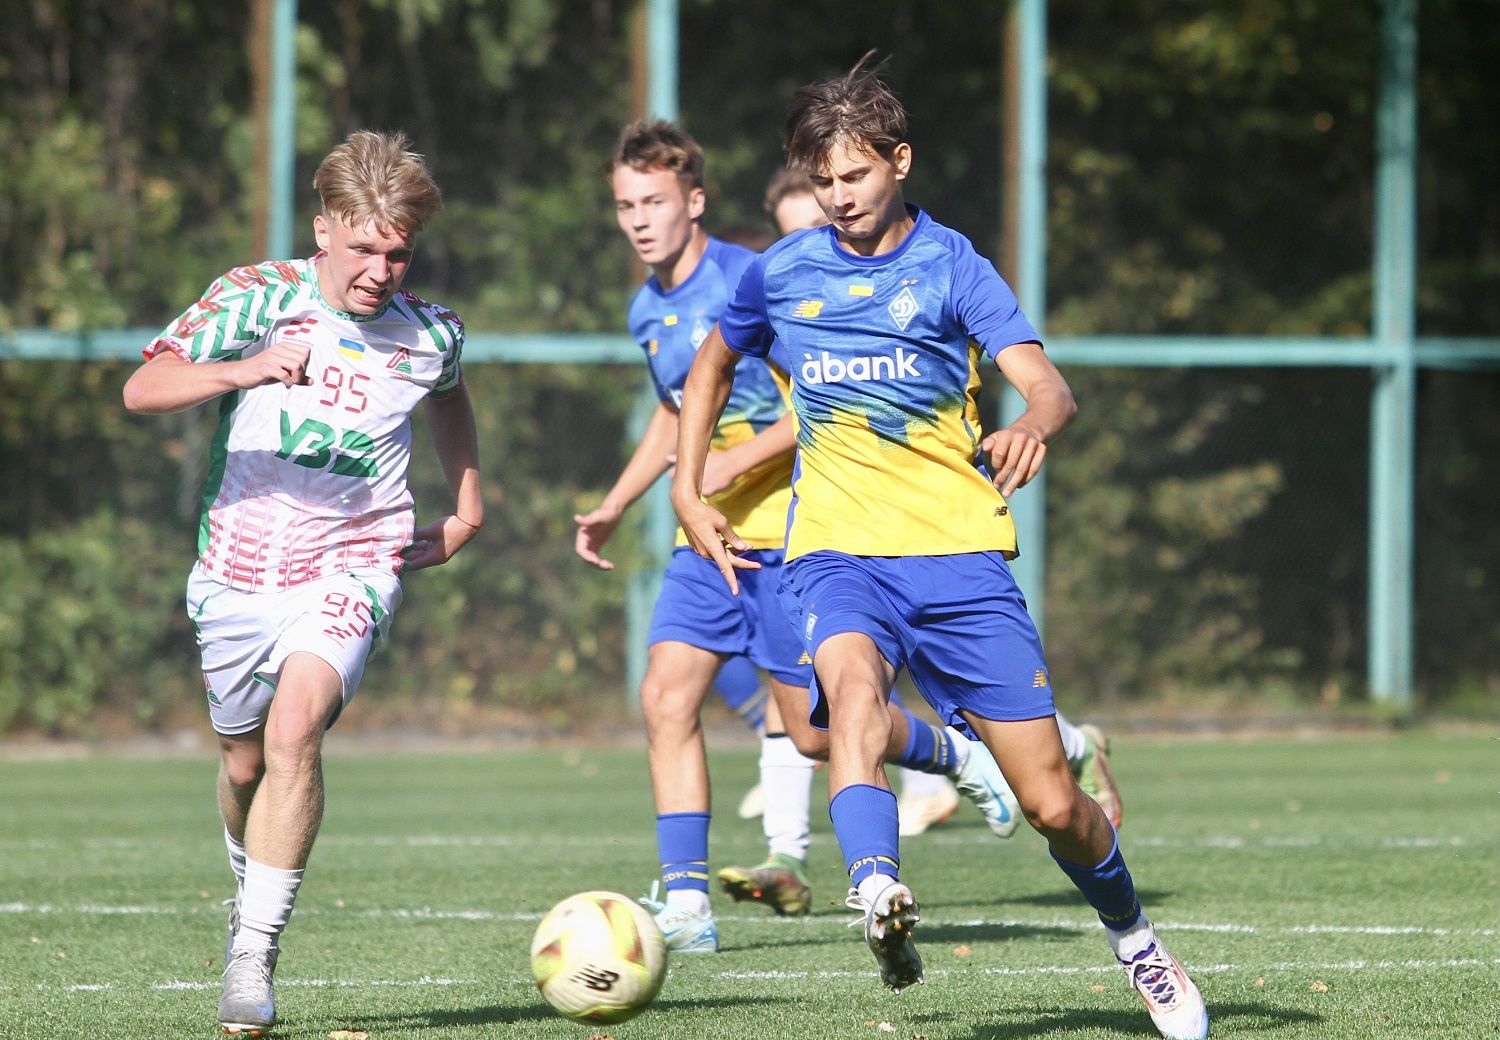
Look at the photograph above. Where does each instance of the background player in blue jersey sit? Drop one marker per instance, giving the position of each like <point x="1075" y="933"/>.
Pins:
<point x="897" y="543"/>
<point x="656" y="174"/>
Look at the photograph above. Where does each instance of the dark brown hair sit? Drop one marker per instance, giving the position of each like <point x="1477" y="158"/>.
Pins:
<point x="857" y="108"/>
<point x="657" y="145"/>
<point x="786" y="182"/>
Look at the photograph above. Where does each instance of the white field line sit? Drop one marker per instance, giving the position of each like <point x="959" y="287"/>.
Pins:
<point x="1356" y="966"/>
<point x="458" y="914"/>
<point x="974" y="838"/>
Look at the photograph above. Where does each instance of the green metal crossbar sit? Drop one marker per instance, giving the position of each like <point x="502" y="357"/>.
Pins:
<point x="1393" y="353"/>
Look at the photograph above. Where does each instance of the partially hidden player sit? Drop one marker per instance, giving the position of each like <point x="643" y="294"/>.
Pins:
<point x="656" y="176"/>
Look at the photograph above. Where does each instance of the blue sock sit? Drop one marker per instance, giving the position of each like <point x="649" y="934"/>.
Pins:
<point x="1108" y="888"/>
<point x="682" y="842"/>
<point x="864" y="820"/>
<point x="738" y="684"/>
<point x="929" y="748"/>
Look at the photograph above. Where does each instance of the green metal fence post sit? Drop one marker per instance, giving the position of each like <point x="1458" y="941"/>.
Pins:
<point x="281" y="164"/>
<point x="661" y="522"/>
<point x="1029" y="213"/>
<point x="1393" y="409"/>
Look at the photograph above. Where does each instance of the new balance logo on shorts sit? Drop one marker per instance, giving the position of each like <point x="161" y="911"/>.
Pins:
<point x="1039" y="679"/>
<point x="828" y="369"/>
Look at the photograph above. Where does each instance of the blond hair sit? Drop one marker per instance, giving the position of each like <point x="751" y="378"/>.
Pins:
<point x="374" y="177"/>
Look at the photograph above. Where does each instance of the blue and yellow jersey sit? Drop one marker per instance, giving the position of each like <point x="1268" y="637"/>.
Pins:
<point x="670" y="325"/>
<point x="884" y="354"/>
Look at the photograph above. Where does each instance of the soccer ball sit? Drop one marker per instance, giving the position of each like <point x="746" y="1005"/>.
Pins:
<point x="599" y="957"/>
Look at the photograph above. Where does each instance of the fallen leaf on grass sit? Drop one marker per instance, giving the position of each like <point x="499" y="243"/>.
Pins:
<point x="1259" y="983"/>
<point x="601" y="1036"/>
<point x="961" y="951"/>
<point x="1096" y="988"/>
<point x="885" y="1027"/>
<point x="1319" y="986"/>
<point x="348" y="1034"/>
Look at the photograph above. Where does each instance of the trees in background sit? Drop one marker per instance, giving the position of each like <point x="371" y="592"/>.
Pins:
<point x="1210" y="171"/>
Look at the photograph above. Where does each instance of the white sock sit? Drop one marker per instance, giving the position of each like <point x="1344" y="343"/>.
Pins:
<point x="873" y="885"/>
<point x="1129" y="943"/>
<point x="265" y="905"/>
<point x="236" y="860"/>
<point x="692" y="900"/>
<point x="916" y="784"/>
<point x="786" y="781"/>
<point x="1075" y="744"/>
<point x="962" y="745"/>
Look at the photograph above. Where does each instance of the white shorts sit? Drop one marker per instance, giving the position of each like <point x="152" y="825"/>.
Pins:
<point x="246" y="637"/>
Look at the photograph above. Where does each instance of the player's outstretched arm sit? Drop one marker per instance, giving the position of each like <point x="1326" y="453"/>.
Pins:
<point x="1016" y="452"/>
<point x="451" y="422"/>
<point x="703" y="398"/>
<point x="167" y="383"/>
<point x="647" y="463"/>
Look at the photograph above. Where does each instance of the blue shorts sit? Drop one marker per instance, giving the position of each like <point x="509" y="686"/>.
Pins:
<point x="696" y="607"/>
<point x="957" y="623"/>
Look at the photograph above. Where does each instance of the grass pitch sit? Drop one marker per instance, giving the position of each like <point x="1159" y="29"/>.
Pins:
<point x="1330" y="888"/>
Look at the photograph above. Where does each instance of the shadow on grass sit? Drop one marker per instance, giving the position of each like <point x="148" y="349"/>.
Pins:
<point x="1245" y="1018"/>
<point x="1064" y="897"/>
<point x="951" y="932"/>
<point x="500" y="1014"/>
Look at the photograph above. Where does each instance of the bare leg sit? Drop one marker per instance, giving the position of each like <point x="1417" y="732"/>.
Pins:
<point x="1031" y="756"/>
<point x="287" y="806"/>
<point x="677" y="680"/>
<point x="857" y="680"/>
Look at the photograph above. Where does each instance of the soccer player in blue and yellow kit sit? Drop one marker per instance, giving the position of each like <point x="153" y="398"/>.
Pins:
<point x="897" y="541"/>
<point x="657" y="178"/>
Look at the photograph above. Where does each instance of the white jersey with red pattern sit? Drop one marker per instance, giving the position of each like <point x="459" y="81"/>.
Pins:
<point x="306" y="481"/>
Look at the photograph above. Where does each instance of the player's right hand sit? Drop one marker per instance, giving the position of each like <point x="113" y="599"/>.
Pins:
<point x="594" y="529"/>
<point x="710" y="536"/>
<point x="281" y="362"/>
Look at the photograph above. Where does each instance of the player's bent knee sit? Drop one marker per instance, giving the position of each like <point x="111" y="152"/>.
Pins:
<point x="809" y="741"/>
<point x="244" y="770"/>
<point x="1053" y="812"/>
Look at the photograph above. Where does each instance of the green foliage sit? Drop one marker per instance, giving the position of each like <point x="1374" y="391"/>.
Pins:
<point x="90" y="617"/>
<point x="1210" y="171"/>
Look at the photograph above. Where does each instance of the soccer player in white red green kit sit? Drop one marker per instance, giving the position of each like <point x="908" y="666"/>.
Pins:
<point x="656" y="175"/>
<point x="897" y="541"/>
<point x="307" y="522"/>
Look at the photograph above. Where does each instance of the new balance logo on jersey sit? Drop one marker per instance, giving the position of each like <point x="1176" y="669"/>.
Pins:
<point x="1039" y="679"/>
<point x="828" y="369"/>
<point x="600" y="980"/>
<point x="808" y="309"/>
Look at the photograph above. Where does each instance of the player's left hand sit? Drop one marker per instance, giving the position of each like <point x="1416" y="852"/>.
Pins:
<point x="1016" y="456"/>
<point x="437" y="543"/>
